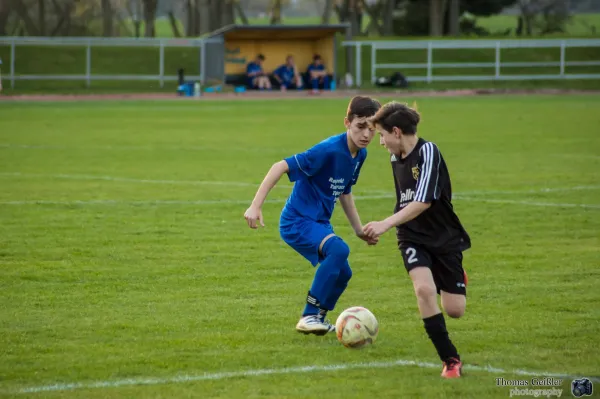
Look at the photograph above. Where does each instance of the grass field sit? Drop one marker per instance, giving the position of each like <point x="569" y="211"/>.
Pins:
<point x="126" y="265"/>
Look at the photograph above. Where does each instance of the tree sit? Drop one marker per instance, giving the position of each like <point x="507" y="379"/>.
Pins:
<point x="418" y="15"/>
<point x="436" y="20"/>
<point x="276" y="12"/>
<point x="227" y="12"/>
<point x="149" y="17"/>
<point x="5" y="12"/>
<point x="454" y="17"/>
<point x="107" y="18"/>
<point x="327" y="12"/>
<point x="350" y="11"/>
<point x="240" y="12"/>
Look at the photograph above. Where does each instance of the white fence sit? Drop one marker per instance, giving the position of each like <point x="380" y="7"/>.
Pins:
<point x="376" y="47"/>
<point x="89" y="43"/>
<point x="561" y="45"/>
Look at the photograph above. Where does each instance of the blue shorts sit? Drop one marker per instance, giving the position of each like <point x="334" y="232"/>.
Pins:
<point x="304" y="236"/>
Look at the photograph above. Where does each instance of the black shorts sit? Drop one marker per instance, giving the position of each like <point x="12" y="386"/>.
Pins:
<point x="447" y="269"/>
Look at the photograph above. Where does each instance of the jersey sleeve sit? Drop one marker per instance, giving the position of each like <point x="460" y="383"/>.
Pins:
<point x="429" y="173"/>
<point x="308" y="163"/>
<point x="348" y="188"/>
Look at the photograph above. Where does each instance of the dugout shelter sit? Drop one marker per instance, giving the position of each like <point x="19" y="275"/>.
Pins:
<point x="237" y="45"/>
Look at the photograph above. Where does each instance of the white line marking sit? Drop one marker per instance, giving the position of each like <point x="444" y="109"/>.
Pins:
<point x="287" y="370"/>
<point x="466" y="196"/>
<point x="540" y="190"/>
<point x="531" y="203"/>
<point x="274" y="201"/>
<point x="166" y="202"/>
<point x="139" y="148"/>
<point x="131" y="180"/>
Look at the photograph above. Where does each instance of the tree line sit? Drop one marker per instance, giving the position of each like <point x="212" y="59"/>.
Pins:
<point x="193" y="18"/>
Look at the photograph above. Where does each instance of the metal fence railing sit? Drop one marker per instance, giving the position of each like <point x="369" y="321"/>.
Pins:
<point x="90" y="43"/>
<point x="561" y="63"/>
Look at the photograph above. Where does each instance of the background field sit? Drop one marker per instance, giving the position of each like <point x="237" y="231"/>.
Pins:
<point x="125" y="260"/>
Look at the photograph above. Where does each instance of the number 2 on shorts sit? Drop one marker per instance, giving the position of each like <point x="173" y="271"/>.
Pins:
<point x="411" y="252"/>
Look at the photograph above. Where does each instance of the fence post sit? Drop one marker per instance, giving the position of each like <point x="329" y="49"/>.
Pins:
<point x="161" y="66"/>
<point x="12" y="63"/>
<point x="202" y="62"/>
<point x="429" y="62"/>
<point x="88" y="63"/>
<point x="358" y="63"/>
<point x="497" y="60"/>
<point x="562" y="58"/>
<point x="373" y="61"/>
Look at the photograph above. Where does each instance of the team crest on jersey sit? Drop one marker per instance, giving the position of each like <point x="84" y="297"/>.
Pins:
<point x="415" y="172"/>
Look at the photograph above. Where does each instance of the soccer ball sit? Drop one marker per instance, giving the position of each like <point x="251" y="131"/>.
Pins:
<point x="356" y="327"/>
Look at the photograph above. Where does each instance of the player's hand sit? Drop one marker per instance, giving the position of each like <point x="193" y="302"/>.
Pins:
<point x="252" y="216"/>
<point x="368" y="240"/>
<point x="375" y="229"/>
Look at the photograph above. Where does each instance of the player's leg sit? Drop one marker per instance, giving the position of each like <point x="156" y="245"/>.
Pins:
<point x="267" y="82"/>
<point x="454" y="304"/>
<point x="340" y="286"/>
<point x="262" y="83"/>
<point x="452" y="283"/>
<point x="318" y="244"/>
<point x="418" y="263"/>
<point x="450" y="280"/>
<point x="315" y="84"/>
<point x="331" y="277"/>
<point x="325" y="83"/>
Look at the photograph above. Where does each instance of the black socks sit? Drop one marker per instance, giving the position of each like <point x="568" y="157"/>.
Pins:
<point x="436" y="330"/>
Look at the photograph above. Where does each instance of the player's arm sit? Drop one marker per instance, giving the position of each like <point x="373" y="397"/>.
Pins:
<point x="277" y="73"/>
<point x="427" y="191"/>
<point x="408" y="213"/>
<point x="347" y="201"/>
<point x="254" y="212"/>
<point x="299" y="166"/>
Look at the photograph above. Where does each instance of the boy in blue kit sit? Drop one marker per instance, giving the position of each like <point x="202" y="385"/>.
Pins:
<point x="287" y="75"/>
<point x="317" y="74"/>
<point x="322" y="175"/>
<point x="257" y="78"/>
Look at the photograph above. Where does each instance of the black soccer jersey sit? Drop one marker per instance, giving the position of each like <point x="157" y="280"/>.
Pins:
<point x="423" y="176"/>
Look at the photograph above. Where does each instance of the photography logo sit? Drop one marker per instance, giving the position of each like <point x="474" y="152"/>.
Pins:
<point x="582" y="387"/>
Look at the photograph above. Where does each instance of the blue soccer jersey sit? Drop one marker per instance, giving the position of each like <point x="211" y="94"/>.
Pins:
<point x="321" y="174"/>
<point x="285" y="73"/>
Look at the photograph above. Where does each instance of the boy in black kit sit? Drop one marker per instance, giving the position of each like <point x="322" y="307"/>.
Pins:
<point x="430" y="235"/>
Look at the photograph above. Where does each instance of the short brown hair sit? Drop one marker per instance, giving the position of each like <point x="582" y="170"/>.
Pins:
<point x="362" y="107"/>
<point x="398" y="115"/>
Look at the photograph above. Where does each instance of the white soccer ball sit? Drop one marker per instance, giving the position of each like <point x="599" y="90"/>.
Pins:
<point x="356" y="327"/>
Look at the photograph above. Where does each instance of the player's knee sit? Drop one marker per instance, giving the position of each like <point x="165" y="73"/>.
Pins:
<point x="346" y="272"/>
<point x="337" y="247"/>
<point x="456" y="312"/>
<point x="425" y="291"/>
<point x="454" y="305"/>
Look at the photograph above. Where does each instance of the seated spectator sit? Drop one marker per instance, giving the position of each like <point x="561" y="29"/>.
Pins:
<point x="287" y="75"/>
<point x="317" y="74"/>
<point x="257" y="78"/>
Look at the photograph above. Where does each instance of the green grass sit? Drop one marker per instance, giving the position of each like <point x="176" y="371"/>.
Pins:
<point x="113" y="281"/>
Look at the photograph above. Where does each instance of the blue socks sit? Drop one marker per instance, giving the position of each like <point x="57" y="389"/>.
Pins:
<point x="331" y="278"/>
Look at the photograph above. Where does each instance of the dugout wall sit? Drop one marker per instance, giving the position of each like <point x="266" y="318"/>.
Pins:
<point x="240" y="44"/>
